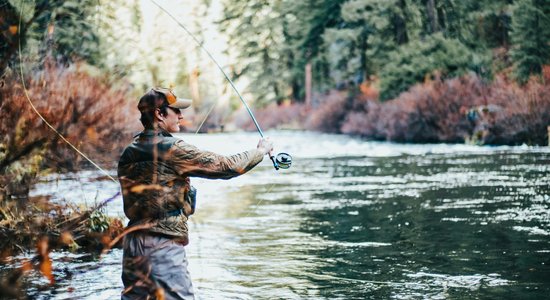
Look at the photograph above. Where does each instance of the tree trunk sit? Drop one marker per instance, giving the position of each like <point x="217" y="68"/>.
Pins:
<point x="194" y="86"/>
<point x="308" y="85"/>
<point x="430" y="7"/>
<point x="401" y="35"/>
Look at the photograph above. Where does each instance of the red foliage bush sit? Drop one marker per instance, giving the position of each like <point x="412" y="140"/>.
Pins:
<point x="85" y="110"/>
<point x="525" y="112"/>
<point x="331" y="113"/>
<point x="455" y="110"/>
<point x="434" y="111"/>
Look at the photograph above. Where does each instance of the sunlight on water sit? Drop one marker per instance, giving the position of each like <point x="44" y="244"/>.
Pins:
<point x="350" y="220"/>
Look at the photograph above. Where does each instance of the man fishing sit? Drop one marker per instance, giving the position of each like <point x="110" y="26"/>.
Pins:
<point x="154" y="173"/>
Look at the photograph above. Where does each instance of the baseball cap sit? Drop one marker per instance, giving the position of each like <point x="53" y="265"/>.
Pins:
<point x="152" y="100"/>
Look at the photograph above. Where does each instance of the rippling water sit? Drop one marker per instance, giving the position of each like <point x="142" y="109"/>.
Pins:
<point x="350" y="220"/>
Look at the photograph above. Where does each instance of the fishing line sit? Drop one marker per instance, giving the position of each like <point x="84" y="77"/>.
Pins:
<point x="51" y="127"/>
<point x="206" y="117"/>
<point x="27" y="96"/>
<point x="282" y="157"/>
<point x="282" y="160"/>
<point x="40" y="115"/>
<point x="215" y="62"/>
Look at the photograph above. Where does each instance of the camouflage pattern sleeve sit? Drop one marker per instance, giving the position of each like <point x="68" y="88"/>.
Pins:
<point x="188" y="160"/>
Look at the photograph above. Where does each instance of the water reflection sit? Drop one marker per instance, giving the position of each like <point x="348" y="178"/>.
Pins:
<point x="353" y="220"/>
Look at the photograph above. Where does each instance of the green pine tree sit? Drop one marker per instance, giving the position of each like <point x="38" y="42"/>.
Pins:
<point x="530" y="37"/>
<point x="258" y="46"/>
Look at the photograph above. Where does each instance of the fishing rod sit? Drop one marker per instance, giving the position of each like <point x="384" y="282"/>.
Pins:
<point x="282" y="160"/>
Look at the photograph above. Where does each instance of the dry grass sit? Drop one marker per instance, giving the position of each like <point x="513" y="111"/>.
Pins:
<point x="44" y="226"/>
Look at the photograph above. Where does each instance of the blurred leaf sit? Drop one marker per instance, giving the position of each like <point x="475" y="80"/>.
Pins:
<point x="45" y="264"/>
<point x="13" y="29"/>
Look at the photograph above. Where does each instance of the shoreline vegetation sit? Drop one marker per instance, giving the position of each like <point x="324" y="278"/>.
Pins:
<point x="466" y="109"/>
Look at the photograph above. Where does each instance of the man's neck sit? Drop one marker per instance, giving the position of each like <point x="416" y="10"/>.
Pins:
<point x="156" y="131"/>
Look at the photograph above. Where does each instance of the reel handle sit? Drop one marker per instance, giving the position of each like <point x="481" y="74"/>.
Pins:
<point x="282" y="161"/>
<point x="275" y="164"/>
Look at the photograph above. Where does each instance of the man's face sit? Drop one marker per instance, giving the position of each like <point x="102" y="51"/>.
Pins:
<point x="171" y="120"/>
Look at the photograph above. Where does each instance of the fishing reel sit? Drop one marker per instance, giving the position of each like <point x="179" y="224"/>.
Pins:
<point x="281" y="161"/>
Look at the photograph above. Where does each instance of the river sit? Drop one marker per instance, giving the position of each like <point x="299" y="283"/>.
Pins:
<point x="351" y="219"/>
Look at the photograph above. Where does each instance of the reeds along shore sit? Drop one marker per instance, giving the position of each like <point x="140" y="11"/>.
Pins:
<point x="458" y="110"/>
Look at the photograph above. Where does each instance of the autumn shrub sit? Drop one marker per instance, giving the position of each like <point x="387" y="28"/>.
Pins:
<point x="84" y="109"/>
<point x="456" y="110"/>
<point x="524" y="114"/>
<point x="461" y="109"/>
<point x="433" y="111"/>
<point x="364" y="122"/>
<point x="331" y="113"/>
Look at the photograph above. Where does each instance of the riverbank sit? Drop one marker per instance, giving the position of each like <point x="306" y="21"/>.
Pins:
<point x="26" y="222"/>
<point x="458" y="110"/>
<point x="38" y="226"/>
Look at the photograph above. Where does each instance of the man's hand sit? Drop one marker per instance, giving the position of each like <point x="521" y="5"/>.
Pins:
<point x="265" y="145"/>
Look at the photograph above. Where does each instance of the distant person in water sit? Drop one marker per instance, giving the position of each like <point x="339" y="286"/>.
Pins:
<point x="154" y="172"/>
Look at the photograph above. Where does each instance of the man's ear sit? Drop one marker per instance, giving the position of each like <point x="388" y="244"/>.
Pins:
<point x="158" y="115"/>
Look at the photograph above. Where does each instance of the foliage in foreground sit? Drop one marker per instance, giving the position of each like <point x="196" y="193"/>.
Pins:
<point x="44" y="227"/>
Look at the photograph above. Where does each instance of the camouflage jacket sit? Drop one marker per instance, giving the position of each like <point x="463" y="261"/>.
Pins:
<point x="154" y="173"/>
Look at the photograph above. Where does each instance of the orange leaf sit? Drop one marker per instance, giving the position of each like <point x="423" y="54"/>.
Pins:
<point x="13" y="29"/>
<point x="159" y="294"/>
<point x="106" y="240"/>
<point x="66" y="238"/>
<point x="45" y="261"/>
<point x="26" y="266"/>
<point x="46" y="269"/>
<point x="91" y="133"/>
<point x="145" y="187"/>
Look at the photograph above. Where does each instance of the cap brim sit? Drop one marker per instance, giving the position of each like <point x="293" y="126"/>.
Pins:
<point x="181" y="103"/>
